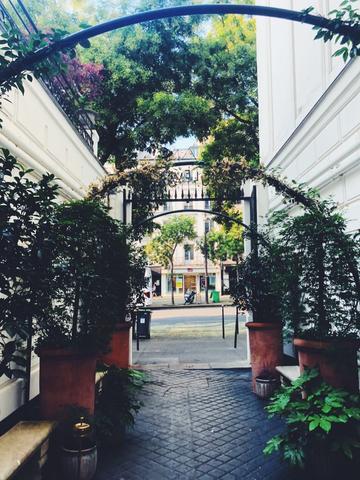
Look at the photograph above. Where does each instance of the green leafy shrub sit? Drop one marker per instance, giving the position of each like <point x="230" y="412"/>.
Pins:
<point x="324" y="424"/>
<point x="24" y="205"/>
<point x="322" y="282"/>
<point x="84" y="288"/>
<point x="117" y="403"/>
<point x="257" y="285"/>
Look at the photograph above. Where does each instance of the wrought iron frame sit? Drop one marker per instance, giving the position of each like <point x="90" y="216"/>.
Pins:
<point x="63" y="92"/>
<point x="70" y="41"/>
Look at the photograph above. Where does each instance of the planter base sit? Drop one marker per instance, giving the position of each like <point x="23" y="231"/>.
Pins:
<point x="120" y="353"/>
<point x="265" y="349"/>
<point x="67" y="378"/>
<point x="336" y="361"/>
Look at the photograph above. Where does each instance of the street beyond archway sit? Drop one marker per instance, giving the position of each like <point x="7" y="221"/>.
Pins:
<point x="192" y="338"/>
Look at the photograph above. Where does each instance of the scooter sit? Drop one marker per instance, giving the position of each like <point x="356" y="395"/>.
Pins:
<point x="189" y="297"/>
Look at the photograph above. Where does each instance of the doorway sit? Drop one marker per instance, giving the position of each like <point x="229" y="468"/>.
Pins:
<point x="190" y="282"/>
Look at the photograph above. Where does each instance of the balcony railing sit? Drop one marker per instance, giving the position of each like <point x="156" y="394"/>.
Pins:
<point x="66" y="95"/>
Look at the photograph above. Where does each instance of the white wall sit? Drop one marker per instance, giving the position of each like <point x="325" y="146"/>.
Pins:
<point x="37" y="132"/>
<point x="309" y="109"/>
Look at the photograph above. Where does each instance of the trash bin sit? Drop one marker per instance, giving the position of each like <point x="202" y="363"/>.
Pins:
<point x="216" y="296"/>
<point x="143" y="323"/>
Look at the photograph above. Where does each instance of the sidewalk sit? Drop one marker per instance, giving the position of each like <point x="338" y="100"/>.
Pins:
<point x="165" y="301"/>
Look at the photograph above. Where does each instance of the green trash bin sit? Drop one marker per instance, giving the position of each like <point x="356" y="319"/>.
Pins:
<point x="215" y="296"/>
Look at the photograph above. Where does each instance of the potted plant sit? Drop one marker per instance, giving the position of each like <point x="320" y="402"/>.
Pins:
<point x="321" y="300"/>
<point x="82" y="291"/>
<point x="119" y="350"/>
<point x="321" y="437"/>
<point x="257" y="289"/>
<point x="117" y="403"/>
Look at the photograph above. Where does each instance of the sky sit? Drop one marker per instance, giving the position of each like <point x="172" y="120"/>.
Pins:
<point x="183" y="142"/>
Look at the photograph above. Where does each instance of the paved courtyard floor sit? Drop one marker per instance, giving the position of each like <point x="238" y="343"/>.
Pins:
<point x="196" y="424"/>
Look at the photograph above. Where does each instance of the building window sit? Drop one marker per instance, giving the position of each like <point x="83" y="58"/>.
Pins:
<point x="188" y="253"/>
<point x="207" y="205"/>
<point x="188" y="176"/>
<point x="188" y="205"/>
<point x="208" y="224"/>
<point x="167" y="206"/>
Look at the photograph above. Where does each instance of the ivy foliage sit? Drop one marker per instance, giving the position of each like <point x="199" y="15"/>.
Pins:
<point x="345" y="15"/>
<point x="24" y="204"/>
<point x="320" y="428"/>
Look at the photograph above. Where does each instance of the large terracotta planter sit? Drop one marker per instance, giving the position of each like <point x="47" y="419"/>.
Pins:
<point x="336" y="361"/>
<point x="265" y="348"/>
<point x="120" y="353"/>
<point x="67" y="378"/>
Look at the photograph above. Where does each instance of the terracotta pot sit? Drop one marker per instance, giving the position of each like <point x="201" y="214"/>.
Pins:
<point x="67" y="378"/>
<point x="265" y="348"/>
<point x="120" y="347"/>
<point x="336" y="361"/>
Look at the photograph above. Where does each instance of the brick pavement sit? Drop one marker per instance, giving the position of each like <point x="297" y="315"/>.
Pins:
<point x="197" y="424"/>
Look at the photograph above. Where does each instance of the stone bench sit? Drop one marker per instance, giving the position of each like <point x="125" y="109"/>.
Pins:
<point x="288" y="373"/>
<point x="25" y="445"/>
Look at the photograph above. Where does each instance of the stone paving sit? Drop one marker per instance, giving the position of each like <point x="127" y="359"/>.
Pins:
<point x="197" y="424"/>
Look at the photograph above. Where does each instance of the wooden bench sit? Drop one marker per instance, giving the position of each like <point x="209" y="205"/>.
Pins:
<point x="25" y="445"/>
<point x="288" y="373"/>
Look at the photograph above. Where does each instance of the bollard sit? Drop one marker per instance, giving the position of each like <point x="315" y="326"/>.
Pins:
<point x="223" y="321"/>
<point x="137" y="331"/>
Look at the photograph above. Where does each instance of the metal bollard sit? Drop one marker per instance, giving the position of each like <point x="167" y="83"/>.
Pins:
<point x="236" y="326"/>
<point x="137" y="331"/>
<point x="223" y="321"/>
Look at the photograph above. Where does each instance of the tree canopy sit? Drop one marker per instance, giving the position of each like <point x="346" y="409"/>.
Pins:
<point x="168" y="78"/>
<point x="161" y="249"/>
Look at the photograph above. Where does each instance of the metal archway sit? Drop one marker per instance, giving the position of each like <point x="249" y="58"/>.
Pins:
<point x="196" y="210"/>
<point x="252" y="228"/>
<point x="27" y="62"/>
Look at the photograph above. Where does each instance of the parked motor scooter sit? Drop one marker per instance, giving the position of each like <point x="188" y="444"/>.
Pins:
<point x="189" y="297"/>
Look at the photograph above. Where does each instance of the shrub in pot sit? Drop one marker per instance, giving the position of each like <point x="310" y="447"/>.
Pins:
<point x="117" y="403"/>
<point x="322" y="436"/>
<point x="24" y="203"/>
<point x="82" y="293"/>
<point x="119" y="350"/>
<point x="257" y="289"/>
<point x="321" y="300"/>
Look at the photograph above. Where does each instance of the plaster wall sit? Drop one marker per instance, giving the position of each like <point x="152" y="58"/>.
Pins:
<point x="309" y="109"/>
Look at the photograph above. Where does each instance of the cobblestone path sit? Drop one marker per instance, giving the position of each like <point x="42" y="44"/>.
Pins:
<point x="197" y="424"/>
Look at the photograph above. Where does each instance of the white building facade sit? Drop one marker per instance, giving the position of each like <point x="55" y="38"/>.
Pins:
<point x="309" y="105"/>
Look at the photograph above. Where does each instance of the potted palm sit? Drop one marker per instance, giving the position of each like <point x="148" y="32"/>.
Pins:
<point x="257" y="289"/>
<point x="320" y="304"/>
<point x="81" y="294"/>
